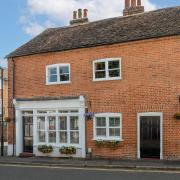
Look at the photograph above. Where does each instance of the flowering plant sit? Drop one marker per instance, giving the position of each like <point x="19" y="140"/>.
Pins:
<point x="45" y="149"/>
<point x="177" y="115"/>
<point x="107" y="143"/>
<point x="67" y="150"/>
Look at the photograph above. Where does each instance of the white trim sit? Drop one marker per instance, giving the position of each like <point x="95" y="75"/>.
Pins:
<point x="107" y="115"/>
<point x="107" y="78"/>
<point x="58" y="74"/>
<point x="160" y="114"/>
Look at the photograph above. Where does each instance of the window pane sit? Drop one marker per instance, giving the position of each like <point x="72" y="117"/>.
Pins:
<point x="100" y="121"/>
<point x="114" y="121"/>
<point x="53" y="78"/>
<point x="63" y="123"/>
<point x="52" y="123"/>
<point x="63" y="137"/>
<point x="113" y="64"/>
<point x="52" y="71"/>
<point x="100" y="74"/>
<point x="100" y="66"/>
<point x="114" y="73"/>
<point x="114" y="132"/>
<point x="27" y="113"/>
<point x="100" y="131"/>
<point x="74" y="123"/>
<point x="74" y="137"/>
<point x="41" y="123"/>
<point x="64" y="77"/>
<point x="52" y="137"/>
<point x="64" y="69"/>
<point x="41" y="136"/>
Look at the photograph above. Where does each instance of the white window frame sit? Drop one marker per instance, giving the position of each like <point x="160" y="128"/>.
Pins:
<point x="107" y="78"/>
<point x="107" y="116"/>
<point x="57" y="66"/>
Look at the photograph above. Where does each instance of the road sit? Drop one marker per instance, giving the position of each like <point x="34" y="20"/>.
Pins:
<point x="10" y="172"/>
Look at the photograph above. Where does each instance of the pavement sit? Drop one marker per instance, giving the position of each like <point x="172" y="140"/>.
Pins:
<point x="143" y="164"/>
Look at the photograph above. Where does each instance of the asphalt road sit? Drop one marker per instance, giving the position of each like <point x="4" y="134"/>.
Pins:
<point x="8" y="172"/>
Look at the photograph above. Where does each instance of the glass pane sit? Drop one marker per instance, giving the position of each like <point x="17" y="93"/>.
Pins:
<point x="64" y="69"/>
<point x="74" y="111"/>
<point x="41" y="136"/>
<point x="114" y="121"/>
<point x="100" y="66"/>
<point x="113" y="64"/>
<point x="52" y="71"/>
<point x="41" y="112"/>
<point x="52" y="137"/>
<point x="31" y="130"/>
<point x="26" y="130"/>
<point x="63" y="123"/>
<point x="63" y="111"/>
<point x="53" y="78"/>
<point x="114" y="132"/>
<point x="114" y="73"/>
<point x="100" y="122"/>
<point x="27" y="112"/>
<point x="74" y="123"/>
<point x="100" y="74"/>
<point x="52" y="123"/>
<point x="74" y="138"/>
<point x="100" y="131"/>
<point x="63" y="137"/>
<point x="64" y="77"/>
<point x="41" y="123"/>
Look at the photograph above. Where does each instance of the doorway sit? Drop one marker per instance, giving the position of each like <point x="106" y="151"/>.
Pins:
<point x="150" y="135"/>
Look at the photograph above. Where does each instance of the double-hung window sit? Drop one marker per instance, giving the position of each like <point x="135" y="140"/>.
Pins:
<point x="107" y="69"/>
<point x="58" y="74"/>
<point x="108" y="126"/>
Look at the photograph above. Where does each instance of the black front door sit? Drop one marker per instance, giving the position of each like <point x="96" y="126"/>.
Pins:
<point x="150" y="136"/>
<point x="28" y="134"/>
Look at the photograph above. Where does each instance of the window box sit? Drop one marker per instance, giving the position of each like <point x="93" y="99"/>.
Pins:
<point x="107" y="69"/>
<point x="45" y="149"/>
<point x="68" y="150"/>
<point x="107" y="143"/>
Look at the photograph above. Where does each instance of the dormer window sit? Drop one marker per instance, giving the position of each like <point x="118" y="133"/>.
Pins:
<point x="58" y="74"/>
<point x="107" y="69"/>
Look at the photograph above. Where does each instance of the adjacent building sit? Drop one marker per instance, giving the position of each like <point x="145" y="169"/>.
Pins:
<point x="109" y="88"/>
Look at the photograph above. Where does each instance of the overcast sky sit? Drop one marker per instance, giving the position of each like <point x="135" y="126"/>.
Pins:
<point x="23" y="19"/>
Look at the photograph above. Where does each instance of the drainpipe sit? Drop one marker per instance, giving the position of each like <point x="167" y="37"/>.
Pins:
<point x="13" y="95"/>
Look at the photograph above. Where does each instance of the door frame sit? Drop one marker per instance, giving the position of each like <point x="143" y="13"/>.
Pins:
<point x="160" y="114"/>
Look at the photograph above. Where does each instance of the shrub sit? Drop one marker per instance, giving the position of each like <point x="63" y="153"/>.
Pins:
<point x="69" y="150"/>
<point x="45" y="149"/>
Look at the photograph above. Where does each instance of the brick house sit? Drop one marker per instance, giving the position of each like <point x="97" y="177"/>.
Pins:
<point x="109" y="88"/>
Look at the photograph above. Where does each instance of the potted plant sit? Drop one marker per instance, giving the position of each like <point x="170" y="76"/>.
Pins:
<point x="177" y="115"/>
<point x="68" y="150"/>
<point x="107" y="143"/>
<point x="45" y="149"/>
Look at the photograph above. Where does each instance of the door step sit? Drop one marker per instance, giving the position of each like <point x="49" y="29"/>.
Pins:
<point x="26" y="154"/>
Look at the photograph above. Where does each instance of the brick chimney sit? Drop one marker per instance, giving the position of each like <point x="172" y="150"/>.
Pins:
<point x="133" y="7"/>
<point x="79" y="17"/>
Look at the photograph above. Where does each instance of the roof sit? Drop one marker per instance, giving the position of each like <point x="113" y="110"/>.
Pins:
<point x="153" y="24"/>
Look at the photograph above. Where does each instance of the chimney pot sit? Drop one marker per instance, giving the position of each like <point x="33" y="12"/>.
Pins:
<point x="74" y="15"/>
<point x="80" y="13"/>
<point x="138" y="2"/>
<point x="127" y="3"/>
<point x="133" y="3"/>
<point x="85" y="13"/>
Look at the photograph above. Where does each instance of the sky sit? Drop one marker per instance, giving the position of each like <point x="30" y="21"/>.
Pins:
<point x="21" y="20"/>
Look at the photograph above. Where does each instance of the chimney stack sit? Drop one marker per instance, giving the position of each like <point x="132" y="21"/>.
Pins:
<point x="133" y="7"/>
<point x="79" y="17"/>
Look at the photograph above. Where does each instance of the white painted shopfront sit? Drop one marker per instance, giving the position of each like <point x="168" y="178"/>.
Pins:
<point x="54" y="122"/>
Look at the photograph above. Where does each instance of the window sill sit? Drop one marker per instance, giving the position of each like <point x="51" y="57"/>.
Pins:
<point x="107" y="79"/>
<point x="107" y="139"/>
<point x="58" y="83"/>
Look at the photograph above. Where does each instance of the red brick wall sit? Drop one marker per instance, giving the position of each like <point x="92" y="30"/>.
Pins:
<point x="150" y="83"/>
